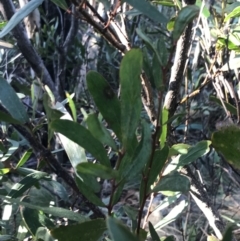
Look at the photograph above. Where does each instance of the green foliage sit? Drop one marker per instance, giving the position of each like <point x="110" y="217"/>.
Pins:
<point x="117" y="143"/>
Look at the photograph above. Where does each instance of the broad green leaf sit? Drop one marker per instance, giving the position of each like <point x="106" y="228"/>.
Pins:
<point x="147" y="9"/>
<point x="153" y="232"/>
<point x="87" y="231"/>
<point x="105" y="100"/>
<point x="163" y="137"/>
<point x="150" y="44"/>
<point x="172" y="215"/>
<point x="158" y="162"/>
<point x="118" y="231"/>
<point x="82" y="137"/>
<point x="185" y="16"/>
<point x="19" y="16"/>
<point x="24" y="158"/>
<point x="61" y="3"/>
<point x="31" y="219"/>
<point x="235" y="13"/>
<point x="229" y="8"/>
<point x="131" y="104"/>
<point x="168" y="3"/>
<point x="227" y="142"/>
<point x="200" y="149"/>
<point x="118" y="193"/>
<point x="140" y="156"/>
<point x="97" y="170"/>
<point x="99" y="131"/>
<point x="11" y="102"/>
<point x="173" y="182"/>
<point x="88" y="193"/>
<point x="205" y="12"/>
<point x="72" y="107"/>
<point x="8" y="118"/>
<point x="19" y="188"/>
<point x="55" y="211"/>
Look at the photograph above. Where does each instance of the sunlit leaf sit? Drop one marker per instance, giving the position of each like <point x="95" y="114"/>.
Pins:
<point x="19" y="16"/>
<point x="24" y="158"/>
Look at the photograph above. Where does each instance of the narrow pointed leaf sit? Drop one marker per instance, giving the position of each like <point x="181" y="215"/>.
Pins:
<point x="105" y="100"/>
<point x="24" y="158"/>
<point x="97" y="170"/>
<point x="87" y="231"/>
<point x="153" y="232"/>
<point x="19" y="16"/>
<point x="82" y="137"/>
<point x="141" y="155"/>
<point x="118" y="231"/>
<point x="185" y="16"/>
<point x="159" y="160"/>
<point x="11" y="102"/>
<point x="19" y="188"/>
<point x="131" y="105"/>
<point x="8" y="118"/>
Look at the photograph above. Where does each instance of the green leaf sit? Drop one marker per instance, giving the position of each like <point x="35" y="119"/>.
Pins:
<point x="61" y="3"/>
<point x="150" y="44"/>
<point x="118" y="231"/>
<point x="185" y="16"/>
<point x="235" y="13"/>
<point x="11" y="102"/>
<point x="147" y="9"/>
<point x="229" y="107"/>
<point x="8" y="119"/>
<point x="19" y="16"/>
<point x="227" y="142"/>
<point x="97" y="170"/>
<point x="159" y="160"/>
<point x="72" y="107"/>
<point x="105" y="100"/>
<point x="19" y="188"/>
<point x="180" y="148"/>
<point x="173" y="182"/>
<point x="87" y="231"/>
<point x="55" y="211"/>
<point x="82" y="137"/>
<point x="200" y="149"/>
<point x="131" y="104"/>
<point x="162" y="50"/>
<point x="140" y="156"/>
<point x="88" y="193"/>
<point x="228" y="234"/>
<point x="43" y="234"/>
<point x="163" y="137"/>
<point x="31" y="219"/>
<point x="157" y="73"/>
<point x="153" y="232"/>
<point x="24" y="158"/>
<point x="99" y="131"/>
